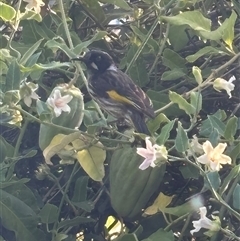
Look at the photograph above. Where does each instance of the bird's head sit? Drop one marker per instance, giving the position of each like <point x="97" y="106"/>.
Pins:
<point x="97" y="60"/>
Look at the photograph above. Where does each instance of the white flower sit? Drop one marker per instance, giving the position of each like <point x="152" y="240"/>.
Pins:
<point x="34" y="4"/>
<point x="222" y="84"/>
<point x="27" y="92"/>
<point x="205" y="222"/>
<point x="213" y="157"/>
<point x="59" y="103"/>
<point x="153" y="154"/>
<point x="195" y="146"/>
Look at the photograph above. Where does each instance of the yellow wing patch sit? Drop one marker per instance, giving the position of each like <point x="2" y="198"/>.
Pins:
<point x="115" y="96"/>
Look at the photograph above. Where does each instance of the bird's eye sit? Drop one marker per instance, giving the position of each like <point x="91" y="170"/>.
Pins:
<point x="99" y="58"/>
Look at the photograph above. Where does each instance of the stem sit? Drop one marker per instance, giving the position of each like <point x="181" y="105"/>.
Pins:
<point x="20" y="137"/>
<point x="142" y="45"/>
<point x="64" y="197"/>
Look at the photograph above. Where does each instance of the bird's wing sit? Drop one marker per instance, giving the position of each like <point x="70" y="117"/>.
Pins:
<point x="121" y="88"/>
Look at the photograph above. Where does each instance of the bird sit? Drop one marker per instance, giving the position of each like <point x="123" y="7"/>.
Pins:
<point x="115" y="92"/>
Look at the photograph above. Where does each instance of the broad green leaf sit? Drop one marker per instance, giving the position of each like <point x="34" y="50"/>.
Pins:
<point x="74" y="222"/>
<point x="58" y="143"/>
<point x="30" y="14"/>
<point x="7" y="12"/>
<point x="30" y="52"/>
<point x="160" y="203"/>
<point x="189" y="171"/>
<point x="214" y="136"/>
<point x="181" y="141"/>
<point x="196" y="101"/>
<point x="236" y="197"/>
<point x="19" y="218"/>
<point x="178" y="37"/>
<point x="153" y="125"/>
<point x="173" y="74"/>
<point x="120" y="3"/>
<point x="218" y="124"/>
<point x="14" y="182"/>
<point x="235" y="153"/>
<point x="91" y="160"/>
<point x="44" y="31"/>
<point x="3" y="149"/>
<point x="13" y="77"/>
<point x="228" y="33"/>
<point x="165" y="133"/>
<point x="29" y="32"/>
<point x="182" y="103"/>
<point x="231" y="128"/>
<point x="229" y="178"/>
<point x="173" y="60"/>
<point x="208" y="50"/>
<point x="49" y="213"/>
<point x="214" y="179"/>
<point x="11" y="96"/>
<point x="80" y="47"/>
<point x="161" y="235"/>
<point x="9" y="148"/>
<point x="138" y="73"/>
<point x="80" y="189"/>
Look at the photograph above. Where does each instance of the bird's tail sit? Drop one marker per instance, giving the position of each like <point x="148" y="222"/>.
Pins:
<point x="139" y="123"/>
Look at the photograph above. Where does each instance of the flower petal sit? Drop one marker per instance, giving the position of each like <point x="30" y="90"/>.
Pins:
<point x="149" y="145"/>
<point x="146" y="163"/>
<point x="207" y="147"/>
<point x="224" y="159"/>
<point x="219" y="149"/>
<point x="204" y="159"/>
<point x="66" y="108"/>
<point x="66" y="99"/>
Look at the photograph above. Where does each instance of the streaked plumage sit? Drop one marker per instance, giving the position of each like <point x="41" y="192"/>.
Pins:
<point x="115" y="92"/>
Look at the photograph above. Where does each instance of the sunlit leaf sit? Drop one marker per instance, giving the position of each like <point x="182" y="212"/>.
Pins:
<point x="7" y="12"/>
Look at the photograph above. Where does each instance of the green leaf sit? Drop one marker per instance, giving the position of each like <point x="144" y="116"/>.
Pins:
<point x="58" y="43"/>
<point x="178" y="37"/>
<point x="162" y="235"/>
<point x="13" y="77"/>
<point x="208" y="50"/>
<point x="234" y="154"/>
<point x="165" y="133"/>
<point x="173" y="74"/>
<point x="29" y="32"/>
<point x="80" y="189"/>
<point x="74" y="222"/>
<point x="228" y="33"/>
<point x="216" y="123"/>
<point x="30" y="52"/>
<point x="49" y="213"/>
<point x="173" y="60"/>
<point x="80" y="47"/>
<point x="189" y="171"/>
<point x="181" y="141"/>
<point x="231" y="128"/>
<point x="196" y="101"/>
<point x="92" y="160"/>
<point x="182" y="103"/>
<point x="236" y="197"/>
<point x="19" y="218"/>
<point x="153" y="125"/>
<point x="214" y="179"/>
<point x="138" y="73"/>
<point x="30" y="14"/>
<point x="7" y="12"/>
<point x="120" y="3"/>
<point x="229" y="178"/>
<point x="43" y="111"/>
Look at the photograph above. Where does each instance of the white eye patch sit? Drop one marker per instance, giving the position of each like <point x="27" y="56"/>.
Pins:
<point x="94" y="65"/>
